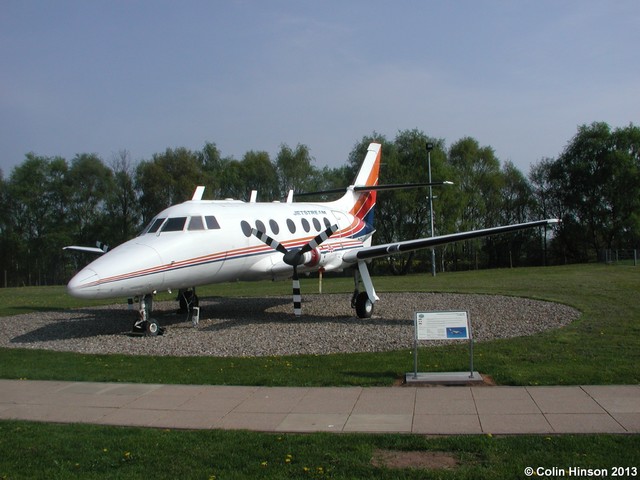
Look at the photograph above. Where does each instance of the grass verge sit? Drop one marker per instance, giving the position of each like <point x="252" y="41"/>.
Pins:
<point x="30" y="450"/>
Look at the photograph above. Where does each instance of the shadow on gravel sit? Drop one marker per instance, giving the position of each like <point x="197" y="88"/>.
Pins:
<point x="228" y="313"/>
<point x="87" y="323"/>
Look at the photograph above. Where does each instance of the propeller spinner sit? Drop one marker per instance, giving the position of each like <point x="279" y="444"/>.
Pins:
<point x="296" y="257"/>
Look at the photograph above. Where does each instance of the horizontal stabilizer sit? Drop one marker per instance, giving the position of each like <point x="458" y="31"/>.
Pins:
<point x="371" y="188"/>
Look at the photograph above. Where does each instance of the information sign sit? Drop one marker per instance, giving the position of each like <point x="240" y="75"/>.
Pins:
<point x="442" y="326"/>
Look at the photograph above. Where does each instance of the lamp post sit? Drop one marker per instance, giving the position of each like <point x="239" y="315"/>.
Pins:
<point x="433" y="250"/>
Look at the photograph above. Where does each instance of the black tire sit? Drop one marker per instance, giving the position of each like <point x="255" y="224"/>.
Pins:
<point x="153" y="328"/>
<point x="364" y="306"/>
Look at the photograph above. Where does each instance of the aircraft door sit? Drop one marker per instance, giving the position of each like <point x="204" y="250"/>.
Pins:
<point x="341" y="219"/>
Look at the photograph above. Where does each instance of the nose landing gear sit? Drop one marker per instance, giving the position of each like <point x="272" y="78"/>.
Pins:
<point x="144" y="324"/>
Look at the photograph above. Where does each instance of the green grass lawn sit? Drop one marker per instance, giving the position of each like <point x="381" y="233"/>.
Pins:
<point x="30" y="450"/>
<point x="599" y="348"/>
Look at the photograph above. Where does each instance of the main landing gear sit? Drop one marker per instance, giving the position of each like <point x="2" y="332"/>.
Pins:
<point x="363" y="302"/>
<point x="189" y="304"/>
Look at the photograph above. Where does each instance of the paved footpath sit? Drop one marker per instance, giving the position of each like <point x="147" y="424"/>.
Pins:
<point x="435" y="410"/>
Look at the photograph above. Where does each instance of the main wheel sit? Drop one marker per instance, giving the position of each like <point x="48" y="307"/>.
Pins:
<point x="364" y="306"/>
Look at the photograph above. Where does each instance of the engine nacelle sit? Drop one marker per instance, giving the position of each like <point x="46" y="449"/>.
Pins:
<point x="312" y="258"/>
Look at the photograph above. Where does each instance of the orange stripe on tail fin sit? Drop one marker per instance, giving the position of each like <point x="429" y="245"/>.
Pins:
<point x="365" y="201"/>
<point x="361" y="203"/>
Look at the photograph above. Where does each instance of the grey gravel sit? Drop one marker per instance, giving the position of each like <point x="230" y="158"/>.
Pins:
<point x="266" y="326"/>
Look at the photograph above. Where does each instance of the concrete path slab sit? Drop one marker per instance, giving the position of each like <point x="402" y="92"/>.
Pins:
<point x="447" y="424"/>
<point x="445" y="400"/>
<point x="408" y="409"/>
<point x="564" y="400"/>
<point x="378" y="423"/>
<point x="504" y="424"/>
<point x="313" y="422"/>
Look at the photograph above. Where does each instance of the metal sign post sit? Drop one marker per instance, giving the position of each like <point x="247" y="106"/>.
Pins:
<point x="443" y="326"/>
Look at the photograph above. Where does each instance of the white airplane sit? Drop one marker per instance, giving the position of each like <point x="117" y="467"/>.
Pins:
<point x="202" y="242"/>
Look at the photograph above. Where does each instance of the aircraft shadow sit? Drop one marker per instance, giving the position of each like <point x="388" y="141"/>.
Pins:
<point x="91" y="322"/>
<point x="235" y="312"/>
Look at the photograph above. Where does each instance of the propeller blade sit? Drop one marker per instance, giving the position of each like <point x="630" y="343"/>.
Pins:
<point x="293" y="258"/>
<point x="271" y="242"/>
<point x="319" y="239"/>
<point x="297" y="296"/>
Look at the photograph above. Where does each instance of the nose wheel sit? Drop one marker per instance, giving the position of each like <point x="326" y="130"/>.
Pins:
<point x="144" y="324"/>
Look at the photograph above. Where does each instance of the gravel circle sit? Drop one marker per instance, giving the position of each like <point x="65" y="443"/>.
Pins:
<point x="252" y="327"/>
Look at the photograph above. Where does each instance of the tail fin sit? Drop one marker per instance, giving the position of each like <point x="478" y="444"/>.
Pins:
<point x="361" y="203"/>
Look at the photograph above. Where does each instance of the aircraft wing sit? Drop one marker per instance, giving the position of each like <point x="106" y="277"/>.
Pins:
<point x="387" y="249"/>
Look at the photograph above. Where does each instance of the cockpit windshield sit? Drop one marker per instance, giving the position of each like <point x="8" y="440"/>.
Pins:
<point x="154" y="225"/>
<point x="177" y="224"/>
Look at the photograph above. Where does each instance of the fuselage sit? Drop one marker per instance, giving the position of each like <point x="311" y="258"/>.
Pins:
<point x="202" y="242"/>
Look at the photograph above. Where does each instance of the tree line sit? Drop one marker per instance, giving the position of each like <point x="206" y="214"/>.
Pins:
<point x="593" y="186"/>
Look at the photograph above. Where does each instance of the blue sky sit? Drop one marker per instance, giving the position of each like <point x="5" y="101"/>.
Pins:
<point x="105" y="76"/>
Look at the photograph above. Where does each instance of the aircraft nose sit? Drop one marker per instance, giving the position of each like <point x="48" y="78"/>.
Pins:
<point x="84" y="284"/>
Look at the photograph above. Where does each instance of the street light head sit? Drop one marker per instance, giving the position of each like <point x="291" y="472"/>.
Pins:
<point x="429" y="146"/>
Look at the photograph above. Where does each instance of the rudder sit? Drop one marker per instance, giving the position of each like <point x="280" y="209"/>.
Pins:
<point x="361" y="204"/>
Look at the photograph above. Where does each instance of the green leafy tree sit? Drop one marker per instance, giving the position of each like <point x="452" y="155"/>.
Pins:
<point x="547" y="203"/>
<point x="295" y="170"/>
<point x="212" y="165"/>
<point x="169" y="178"/>
<point x="233" y="183"/>
<point x="90" y="183"/>
<point x="478" y="182"/>
<point x="516" y="206"/>
<point x="259" y="173"/>
<point x="123" y="211"/>
<point x="596" y="179"/>
<point x="36" y="220"/>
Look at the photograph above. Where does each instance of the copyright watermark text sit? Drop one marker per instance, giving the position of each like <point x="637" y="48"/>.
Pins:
<point x="576" y="472"/>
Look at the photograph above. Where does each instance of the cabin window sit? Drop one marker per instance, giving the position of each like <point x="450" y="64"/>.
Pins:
<point x="260" y="226"/>
<point x="275" y="228"/>
<point x="246" y="228"/>
<point x="316" y="224"/>
<point x="196" y="224"/>
<point x="155" y="225"/>
<point x="291" y="225"/>
<point x="174" y="224"/>
<point x="326" y="221"/>
<point x="305" y="225"/>
<point x="212" y="223"/>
